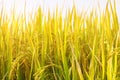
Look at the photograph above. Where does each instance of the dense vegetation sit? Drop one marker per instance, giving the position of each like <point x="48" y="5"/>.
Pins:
<point x="77" y="47"/>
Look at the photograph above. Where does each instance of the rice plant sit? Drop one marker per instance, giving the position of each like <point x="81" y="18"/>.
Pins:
<point x="77" y="47"/>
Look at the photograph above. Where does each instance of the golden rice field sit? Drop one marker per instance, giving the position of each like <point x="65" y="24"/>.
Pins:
<point x="77" y="47"/>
